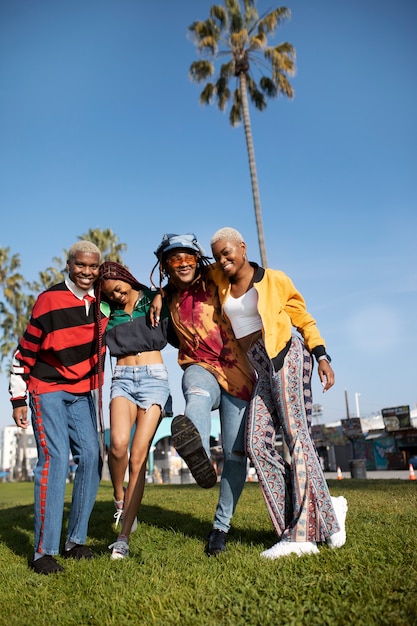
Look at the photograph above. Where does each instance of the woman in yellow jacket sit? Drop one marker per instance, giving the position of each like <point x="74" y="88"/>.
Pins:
<point x="264" y="307"/>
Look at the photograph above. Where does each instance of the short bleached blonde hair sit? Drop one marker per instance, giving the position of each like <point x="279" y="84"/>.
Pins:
<point x="83" y="246"/>
<point x="231" y="234"/>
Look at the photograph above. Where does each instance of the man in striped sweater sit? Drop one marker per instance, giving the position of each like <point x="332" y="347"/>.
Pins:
<point x="56" y="368"/>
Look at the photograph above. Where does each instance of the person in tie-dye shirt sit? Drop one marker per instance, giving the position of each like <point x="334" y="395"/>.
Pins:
<point x="217" y="375"/>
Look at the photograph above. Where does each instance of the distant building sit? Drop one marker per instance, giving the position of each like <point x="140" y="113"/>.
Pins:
<point x="18" y="454"/>
<point x="384" y="446"/>
<point x="337" y="443"/>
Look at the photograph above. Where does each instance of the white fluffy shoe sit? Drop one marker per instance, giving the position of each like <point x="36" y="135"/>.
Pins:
<point x="340" y="508"/>
<point x="284" y="548"/>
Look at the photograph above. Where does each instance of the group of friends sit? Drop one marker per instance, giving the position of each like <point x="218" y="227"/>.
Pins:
<point x="246" y="345"/>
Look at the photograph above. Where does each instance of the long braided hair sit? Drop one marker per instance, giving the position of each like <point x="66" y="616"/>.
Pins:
<point x="117" y="271"/>
<point x="114" y="271"/>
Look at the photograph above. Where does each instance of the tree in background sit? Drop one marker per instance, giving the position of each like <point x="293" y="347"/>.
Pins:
<point x="241" y="37"/>
<point x="16" y="303"/>
<point x="107" y="242"/>
<point x="19" y="295"/>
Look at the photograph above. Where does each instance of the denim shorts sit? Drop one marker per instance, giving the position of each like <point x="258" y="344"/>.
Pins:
<point x="143" y="385"/>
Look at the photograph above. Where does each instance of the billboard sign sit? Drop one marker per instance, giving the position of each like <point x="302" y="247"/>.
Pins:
<point x="327" y="435"/>
<point x="396" y="417"/>
<point x="352" y="428"/>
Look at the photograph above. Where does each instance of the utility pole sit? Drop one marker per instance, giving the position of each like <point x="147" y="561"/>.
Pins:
<point x="357" y="404"/>
<point x="347" y="404"/>
<point x="317" y="412"/>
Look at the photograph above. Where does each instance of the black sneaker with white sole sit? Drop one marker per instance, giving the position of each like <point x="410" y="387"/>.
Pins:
<point x="187" y="441"/>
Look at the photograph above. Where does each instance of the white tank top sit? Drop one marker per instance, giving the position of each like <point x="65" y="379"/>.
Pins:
<point x="243" y="313"/>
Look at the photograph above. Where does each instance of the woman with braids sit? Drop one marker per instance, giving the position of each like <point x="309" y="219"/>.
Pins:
<point x="139" y="388"/>
<point x="216" y="376"/>
<point x="59" y="364"/>
<point x="264" y="307"/>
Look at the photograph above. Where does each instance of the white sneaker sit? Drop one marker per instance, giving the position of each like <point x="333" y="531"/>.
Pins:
<point x="284" y="548"/>
<point x="118" y="517"/>
<point x="337" y="540"/>
<point x="120" y="550"/>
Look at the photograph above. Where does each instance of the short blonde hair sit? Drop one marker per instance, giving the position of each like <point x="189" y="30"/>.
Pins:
<point x="231" y="234"/>
<point x="83" y="246"/>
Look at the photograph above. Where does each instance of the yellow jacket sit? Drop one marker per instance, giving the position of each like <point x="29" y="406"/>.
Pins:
<point x="281" y="308"/>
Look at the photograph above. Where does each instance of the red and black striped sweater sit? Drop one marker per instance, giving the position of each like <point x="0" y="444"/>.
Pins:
<point x="59" y="349"/>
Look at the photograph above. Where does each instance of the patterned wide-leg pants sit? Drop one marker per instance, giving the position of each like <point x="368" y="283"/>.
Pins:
<point x="296" y="495"/>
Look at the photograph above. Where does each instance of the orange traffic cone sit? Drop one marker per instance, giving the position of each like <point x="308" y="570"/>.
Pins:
<point x="339" y="473"/>
<point x="411" y="472"/>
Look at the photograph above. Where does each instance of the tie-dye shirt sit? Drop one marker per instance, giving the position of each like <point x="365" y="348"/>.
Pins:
<point x="207" y="339"/>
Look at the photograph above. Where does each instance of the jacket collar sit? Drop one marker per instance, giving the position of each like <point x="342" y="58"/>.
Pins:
<point x="259" y="272"/>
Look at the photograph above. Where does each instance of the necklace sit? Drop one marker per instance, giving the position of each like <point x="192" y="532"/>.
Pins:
<point x="130" y="307"/>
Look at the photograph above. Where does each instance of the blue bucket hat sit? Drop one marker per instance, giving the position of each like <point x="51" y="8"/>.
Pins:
<point x="171" y="241"/>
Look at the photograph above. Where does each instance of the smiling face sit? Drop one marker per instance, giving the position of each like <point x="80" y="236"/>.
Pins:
<point x="83" y="269"/>
<point x="230" y="256"/>
<point x="116" y="290"/>
<point x="181" y="266"/>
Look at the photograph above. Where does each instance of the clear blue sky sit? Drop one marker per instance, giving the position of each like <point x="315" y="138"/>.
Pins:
<point x="100" y="127"/>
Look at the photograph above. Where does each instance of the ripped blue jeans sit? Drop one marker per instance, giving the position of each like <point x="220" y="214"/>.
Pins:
<point x="203" y="394"/>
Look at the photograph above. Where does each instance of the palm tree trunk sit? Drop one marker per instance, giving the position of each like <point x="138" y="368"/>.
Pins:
<point x="256" y="197"/>
<point x="252" y="169"/>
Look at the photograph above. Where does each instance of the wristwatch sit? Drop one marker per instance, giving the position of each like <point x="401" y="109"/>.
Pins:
<point x="324" y="357"/>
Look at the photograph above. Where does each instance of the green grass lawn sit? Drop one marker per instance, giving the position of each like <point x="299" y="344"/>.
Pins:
<point x="169" y="580"/>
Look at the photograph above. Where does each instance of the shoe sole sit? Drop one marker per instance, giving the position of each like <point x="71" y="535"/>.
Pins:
<point x="187" y="441"/>
<point x="277" y="554"/>
<point x="46" y="572"/>
<point x="338" y="540"/>
<point x="117" y="556"/>
<point x="52" y="567"/>
<point x="215" y="547"/>
<point x="215" y="552"/>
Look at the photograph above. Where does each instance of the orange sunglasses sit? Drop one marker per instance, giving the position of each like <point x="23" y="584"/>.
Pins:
<point x="182" y="259"/>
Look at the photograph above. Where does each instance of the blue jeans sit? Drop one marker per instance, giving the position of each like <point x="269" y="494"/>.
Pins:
<point x="203" y="394"/>
<point x="63" y="422"/>
<point x="144" y="385"/>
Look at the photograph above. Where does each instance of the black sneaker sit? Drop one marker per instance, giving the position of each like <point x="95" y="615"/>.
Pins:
<point x="216" y="543"/>
<point x="46" y="565"/>
<point x="187" y="442"/>
<point x="78" y="552"/>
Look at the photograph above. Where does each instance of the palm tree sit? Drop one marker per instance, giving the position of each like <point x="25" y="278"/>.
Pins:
<point x="16" y="303"/>
<point x="107" y="241"/>
<point x="242" y="37"/>
<point x="19" y="295"/>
